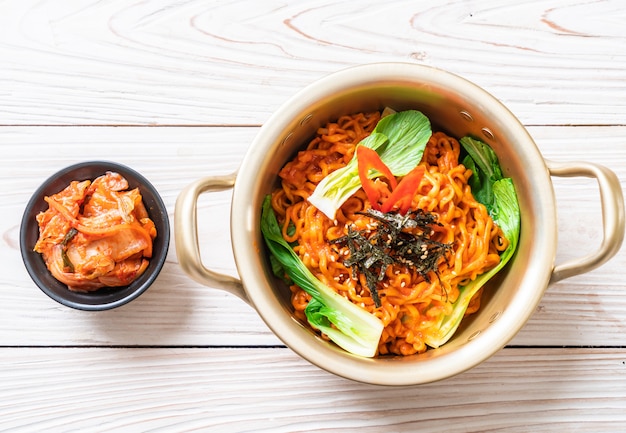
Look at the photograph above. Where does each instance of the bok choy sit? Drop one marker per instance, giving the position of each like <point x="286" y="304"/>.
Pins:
<point x="399" y="138"/>
<point x="348" y="325"/>
<point x="497" y="193"/>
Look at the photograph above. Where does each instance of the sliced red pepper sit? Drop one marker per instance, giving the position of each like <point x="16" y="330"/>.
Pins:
<point x="368" y="159"/>
<point x="405" y="191"/>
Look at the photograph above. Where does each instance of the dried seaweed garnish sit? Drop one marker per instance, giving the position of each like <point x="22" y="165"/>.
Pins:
<point x="394" y="239"/>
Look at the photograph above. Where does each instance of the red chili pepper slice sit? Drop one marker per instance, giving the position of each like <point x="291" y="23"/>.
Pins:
<point x="405" y="191"/>
<point x="368" y="159"/>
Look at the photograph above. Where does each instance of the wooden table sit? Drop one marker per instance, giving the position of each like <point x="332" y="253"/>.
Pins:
<point x="178" y="90"/>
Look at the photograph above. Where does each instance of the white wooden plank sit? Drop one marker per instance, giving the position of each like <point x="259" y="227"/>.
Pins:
<point x="175" y="310"/>
<point x="518" y="390"/>
<point x="585" y="310"/>
<point x="570" y="307"/>
<point x="222" y="63"/>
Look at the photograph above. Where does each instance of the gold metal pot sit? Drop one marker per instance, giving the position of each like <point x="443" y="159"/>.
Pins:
<point x="459" y="108"/>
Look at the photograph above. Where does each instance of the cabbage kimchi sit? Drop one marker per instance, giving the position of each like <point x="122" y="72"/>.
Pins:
<point x="96" y="234"/>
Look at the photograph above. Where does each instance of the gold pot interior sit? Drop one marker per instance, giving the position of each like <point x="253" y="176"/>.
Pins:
<point x="455" y="106"/>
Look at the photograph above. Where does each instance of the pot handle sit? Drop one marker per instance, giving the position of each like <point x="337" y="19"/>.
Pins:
<point x="612" y="204"/>
<point x="186" y="235"/>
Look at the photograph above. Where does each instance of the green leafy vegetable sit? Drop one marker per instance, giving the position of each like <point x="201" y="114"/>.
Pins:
<point x="349" y="326"/>
<point x="399" y="138"/>
<point x="483" y="162"/>
<point x="498" y="195"/>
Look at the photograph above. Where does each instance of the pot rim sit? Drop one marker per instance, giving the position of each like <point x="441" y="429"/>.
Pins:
<point x="247" y="242"/>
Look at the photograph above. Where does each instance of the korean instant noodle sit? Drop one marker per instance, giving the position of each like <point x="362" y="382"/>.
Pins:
<point x="403" y="261"/>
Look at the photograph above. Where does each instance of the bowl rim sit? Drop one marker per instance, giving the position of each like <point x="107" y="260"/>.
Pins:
<point x="110" y="298"/>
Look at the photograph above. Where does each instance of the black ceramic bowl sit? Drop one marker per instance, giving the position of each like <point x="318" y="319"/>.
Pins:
<point x="104" y="298"/>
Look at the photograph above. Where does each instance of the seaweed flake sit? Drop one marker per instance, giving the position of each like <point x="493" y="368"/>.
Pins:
<point x="393" y="240"/>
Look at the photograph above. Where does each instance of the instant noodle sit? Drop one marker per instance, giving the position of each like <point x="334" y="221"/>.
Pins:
<point x="406" y="300"/>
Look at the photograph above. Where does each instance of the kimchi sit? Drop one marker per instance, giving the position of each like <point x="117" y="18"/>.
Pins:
<point x="96" y="234"/>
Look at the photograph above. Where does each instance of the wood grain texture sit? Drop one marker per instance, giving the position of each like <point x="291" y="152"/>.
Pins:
<point x="178" y="90"/>
<point x="275" y="391"/>
<point x="223" y="63"/>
